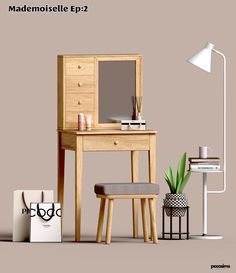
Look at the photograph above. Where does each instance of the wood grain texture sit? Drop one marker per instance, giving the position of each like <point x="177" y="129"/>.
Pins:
<point x="78" y="186"/>
<point x="80" y="84"/>
<point x="116" y="143"/>
<point x="80" y="102"/>
<point x="68" y="141"/>
<point x="152" y="168"/>
<point x="152" y="159"/>
<point x="134" y="178"/>
<point x="60" y="93"/>
<point x="153" y="220"/>
<point x="107" y="132"/>
<point x="80" y="74"/>
<point x="79" y="66"/>
<point x="144" y="220"/>
<point x="109" y="221"/>
<point x="60" y="173"/>
<point x="100" y="220"/>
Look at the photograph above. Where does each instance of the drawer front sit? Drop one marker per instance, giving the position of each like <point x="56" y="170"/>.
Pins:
<point x="79" y="66"/>
<point x="80" y="102"/>
<point x="116" y="143"/>
<point x="77" y="84"/>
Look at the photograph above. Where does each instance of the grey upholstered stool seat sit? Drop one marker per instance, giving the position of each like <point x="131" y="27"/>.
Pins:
<point x="142" y="191"/>
<point x="126" y="188"/>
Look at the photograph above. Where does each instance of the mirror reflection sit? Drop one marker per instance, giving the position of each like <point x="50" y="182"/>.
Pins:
<point x="117" y="85"/>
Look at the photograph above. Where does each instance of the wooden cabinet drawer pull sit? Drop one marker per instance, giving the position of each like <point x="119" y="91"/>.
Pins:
<point x="80" y="84"/>
<point x="79" y="102"/>
<point x="116" y="142"/>
<point x="79" y="66"/>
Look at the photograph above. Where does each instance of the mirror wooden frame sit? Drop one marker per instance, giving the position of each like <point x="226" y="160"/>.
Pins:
<point x="138" y="85"/>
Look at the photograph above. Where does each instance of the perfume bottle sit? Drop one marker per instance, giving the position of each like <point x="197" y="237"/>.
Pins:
<point x="81" y="122"/>
<point x="88" y="120"/>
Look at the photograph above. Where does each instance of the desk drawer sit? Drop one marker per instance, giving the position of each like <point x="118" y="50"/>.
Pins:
<point x="116" y="143"/>
<point x="80" y="66"/>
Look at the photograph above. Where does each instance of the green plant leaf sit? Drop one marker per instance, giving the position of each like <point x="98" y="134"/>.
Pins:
<point x="181" y="166"/>
<point x="179" y="185"/>
<point x="177" y="181"/>
<point x="169" y="174"/>
<point x="170" y="178"/>
<point x="184" y="182"/>
<point x="169" y="184"/>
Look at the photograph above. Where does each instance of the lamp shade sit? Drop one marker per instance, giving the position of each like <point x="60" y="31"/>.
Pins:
<point x="203" y="58"/>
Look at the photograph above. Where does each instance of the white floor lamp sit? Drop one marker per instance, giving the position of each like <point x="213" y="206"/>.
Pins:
<point x="203" y="60"/>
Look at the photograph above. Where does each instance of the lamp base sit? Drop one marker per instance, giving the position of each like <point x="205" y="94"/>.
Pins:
<point x="206" y="237"/>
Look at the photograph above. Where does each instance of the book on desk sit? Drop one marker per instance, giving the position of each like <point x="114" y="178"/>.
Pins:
<point x="202" y="164"/>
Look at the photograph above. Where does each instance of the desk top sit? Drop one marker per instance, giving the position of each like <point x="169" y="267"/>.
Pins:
<point x="107" y="132"/>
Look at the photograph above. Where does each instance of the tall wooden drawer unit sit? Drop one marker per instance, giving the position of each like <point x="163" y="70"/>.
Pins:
<point x="76" y="89"/>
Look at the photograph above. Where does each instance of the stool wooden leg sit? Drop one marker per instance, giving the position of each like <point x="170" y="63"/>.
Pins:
<point x="145" y="228"/>
<point x="153" y="219"/>
<point x="100" y="220"/>
<point x="109" y="221"/>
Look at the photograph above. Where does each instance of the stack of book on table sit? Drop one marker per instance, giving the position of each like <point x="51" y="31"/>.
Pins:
<point x="204" y="164"/>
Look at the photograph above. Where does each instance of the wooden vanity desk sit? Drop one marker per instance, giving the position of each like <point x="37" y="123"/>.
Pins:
<point x="80" y="80"/>
<point x="103" y="140"/>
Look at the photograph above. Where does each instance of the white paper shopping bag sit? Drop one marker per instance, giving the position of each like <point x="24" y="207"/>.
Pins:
<point x="45" y="222"/>
<point x="21" y="211"/>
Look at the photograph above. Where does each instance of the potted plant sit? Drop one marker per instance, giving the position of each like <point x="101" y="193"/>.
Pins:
<point x="177" y="200"/>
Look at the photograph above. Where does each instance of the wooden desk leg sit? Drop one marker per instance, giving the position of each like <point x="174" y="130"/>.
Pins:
<point x="134" y="175"/>
<point x="78" y="183"/>
<point x="60" y="173"/>
<point x="152" y="168"/>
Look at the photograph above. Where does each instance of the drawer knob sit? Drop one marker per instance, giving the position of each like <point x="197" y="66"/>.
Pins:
<point x="116" y="142"/>
<point x="79" y="66"/>
<point x="80" y="84"/>
<point x="79" y="102"/>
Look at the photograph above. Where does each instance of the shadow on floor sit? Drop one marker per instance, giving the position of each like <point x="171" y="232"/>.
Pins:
<point x="87" y="239"/>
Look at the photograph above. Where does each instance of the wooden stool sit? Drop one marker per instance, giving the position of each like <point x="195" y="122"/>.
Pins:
<point x="140" y="191"/>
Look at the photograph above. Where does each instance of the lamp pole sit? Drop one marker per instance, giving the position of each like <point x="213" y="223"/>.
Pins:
<point x="224" y="123"/>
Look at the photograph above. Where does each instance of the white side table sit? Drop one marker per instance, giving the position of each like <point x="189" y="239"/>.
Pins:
<point x="204" y="207"/>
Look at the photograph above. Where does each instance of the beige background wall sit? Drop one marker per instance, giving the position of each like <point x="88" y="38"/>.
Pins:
<point x="181" y="102"/>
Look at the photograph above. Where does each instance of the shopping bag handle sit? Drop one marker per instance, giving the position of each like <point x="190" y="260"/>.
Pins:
<point x="42" y="216"/>
<point x="23" y="198"/>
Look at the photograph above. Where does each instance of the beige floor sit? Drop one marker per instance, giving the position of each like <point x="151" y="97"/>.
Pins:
<point x="123" y="255"/>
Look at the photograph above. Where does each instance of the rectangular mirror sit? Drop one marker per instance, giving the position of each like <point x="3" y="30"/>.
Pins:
<point x="117" y="85"/>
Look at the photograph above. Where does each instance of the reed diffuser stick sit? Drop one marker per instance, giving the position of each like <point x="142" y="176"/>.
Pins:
<point x="139" y="103"/>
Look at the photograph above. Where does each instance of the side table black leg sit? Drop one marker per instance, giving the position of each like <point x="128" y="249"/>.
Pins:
<point x="163" y="223"/>
<point x="187" y="223"/>
<point x="179" y="227"/>
<point x="170" y="223"/>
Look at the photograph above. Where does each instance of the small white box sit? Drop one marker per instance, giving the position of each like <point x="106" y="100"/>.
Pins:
<point x="129" y="125"/>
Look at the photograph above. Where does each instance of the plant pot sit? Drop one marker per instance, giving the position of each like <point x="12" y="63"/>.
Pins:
<point x="178" y="203"/>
